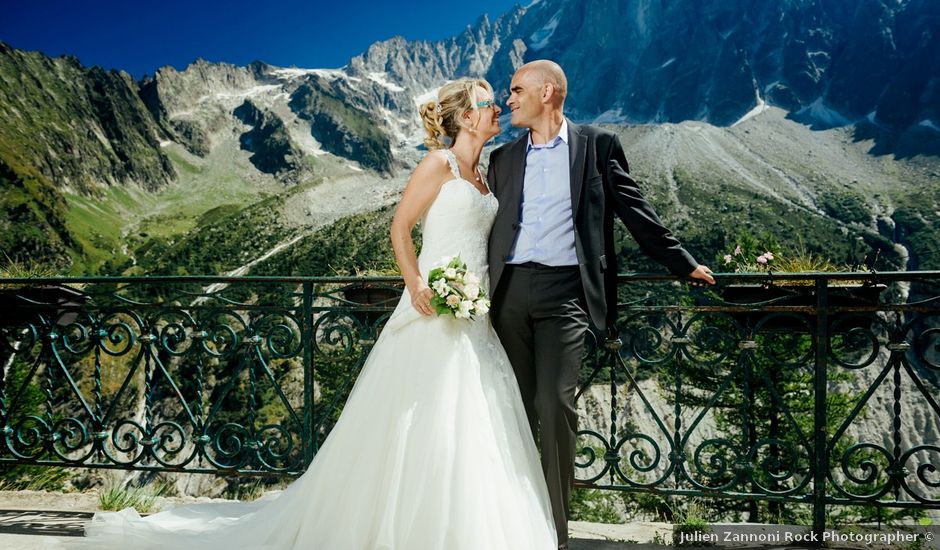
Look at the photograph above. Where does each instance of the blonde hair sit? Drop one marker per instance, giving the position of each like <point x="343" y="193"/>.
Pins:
<point x="442" y="117"/>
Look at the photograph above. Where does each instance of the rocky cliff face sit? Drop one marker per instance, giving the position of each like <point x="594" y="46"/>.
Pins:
<point x="268" y="140"/>
<point x="316" y="111"/>
<point x="419" y="66"/>
<point x="82" y="129"/>
<point x="832" y="61"/>
<point x="65" y="128"/>
<point x="829" y="63"/>
<point x="342" y="121"/>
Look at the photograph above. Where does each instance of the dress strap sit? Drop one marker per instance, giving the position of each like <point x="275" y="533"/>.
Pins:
<point x="455" y="170"/>
<point x="452" y="161"/>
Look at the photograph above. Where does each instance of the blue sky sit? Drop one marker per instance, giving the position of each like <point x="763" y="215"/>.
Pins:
<point x="140" y="37"/>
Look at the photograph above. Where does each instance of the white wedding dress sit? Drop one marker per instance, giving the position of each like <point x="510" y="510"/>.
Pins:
<point x="432" y="451"/>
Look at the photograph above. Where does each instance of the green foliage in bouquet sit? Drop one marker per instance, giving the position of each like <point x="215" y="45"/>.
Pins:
<point x="457" y="291"/>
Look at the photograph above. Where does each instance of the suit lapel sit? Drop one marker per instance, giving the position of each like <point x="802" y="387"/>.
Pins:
<point x="516" y="175"/>
<point x="577" y="150"/>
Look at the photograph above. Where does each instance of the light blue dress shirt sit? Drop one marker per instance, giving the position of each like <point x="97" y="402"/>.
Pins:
<point x="546" y="224"/>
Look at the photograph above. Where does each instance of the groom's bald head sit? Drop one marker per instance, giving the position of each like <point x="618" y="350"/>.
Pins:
<point x="547" y="72"/>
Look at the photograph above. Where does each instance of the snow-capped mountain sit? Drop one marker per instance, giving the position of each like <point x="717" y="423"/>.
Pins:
<point x="868" y="65"/>
<point x="829" y="62"/>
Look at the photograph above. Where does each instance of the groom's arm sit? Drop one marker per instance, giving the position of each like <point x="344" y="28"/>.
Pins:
<point x="640" y="218"/>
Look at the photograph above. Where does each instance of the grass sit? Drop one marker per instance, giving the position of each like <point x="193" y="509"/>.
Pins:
<point x="689" y="518"/>
<point x="33" y="478"/>
<point x="98" y="225"/>
<point x="121" y="217"/>
<point x="245" y="490"/>
<point x="142" y="499"/>
<point x="595" y="506"/>
<point x="181" y="163"/>
<point x="30" y="268"/>
<point x="179" y="207"/>
<point x="229" y="240"/>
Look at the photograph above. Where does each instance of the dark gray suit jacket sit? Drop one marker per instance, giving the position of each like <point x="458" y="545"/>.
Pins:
<point x="600" y="187"/>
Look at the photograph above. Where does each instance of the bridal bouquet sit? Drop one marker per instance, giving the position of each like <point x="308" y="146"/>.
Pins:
<point x="457" y="291"/>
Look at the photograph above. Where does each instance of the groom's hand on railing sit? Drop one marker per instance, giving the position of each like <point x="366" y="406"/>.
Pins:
<point x="702" y="275"/>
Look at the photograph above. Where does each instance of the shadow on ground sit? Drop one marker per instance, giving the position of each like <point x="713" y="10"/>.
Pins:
<point x="43" y="523"/>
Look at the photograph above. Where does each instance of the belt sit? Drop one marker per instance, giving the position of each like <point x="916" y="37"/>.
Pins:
<point x="542" y="267"/>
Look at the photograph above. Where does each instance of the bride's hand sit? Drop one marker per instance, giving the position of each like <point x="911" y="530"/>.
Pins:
<point x="421" y="299"/>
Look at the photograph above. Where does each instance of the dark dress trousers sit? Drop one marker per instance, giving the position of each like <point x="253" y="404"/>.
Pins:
<point x="540" y="313"/>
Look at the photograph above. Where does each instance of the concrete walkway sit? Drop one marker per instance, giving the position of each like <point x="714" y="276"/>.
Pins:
<point x="28" y="519"/>
<point x="29" y="529"/>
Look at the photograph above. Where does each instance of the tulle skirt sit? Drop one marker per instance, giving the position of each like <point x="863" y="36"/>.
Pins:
<point x="432" y="452"/>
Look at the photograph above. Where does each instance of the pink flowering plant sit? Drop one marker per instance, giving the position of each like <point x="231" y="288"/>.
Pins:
<point x="741" y="260"/>
<point x="750" y="254"/>
<point x="457" y="291"/>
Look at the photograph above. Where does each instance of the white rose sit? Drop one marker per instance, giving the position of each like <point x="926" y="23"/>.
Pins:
<point x="472" y="291"/>
<point x="481" y="307"/>
<point x="452" y="300"/>
<point x="463" y="312"/>
<point x="440" y="286"/>
<point x="450" y="273"/>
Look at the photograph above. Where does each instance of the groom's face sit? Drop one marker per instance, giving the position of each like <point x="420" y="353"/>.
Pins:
<point x="525" y="93"/>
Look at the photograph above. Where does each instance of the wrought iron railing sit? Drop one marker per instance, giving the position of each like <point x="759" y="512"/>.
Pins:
<point x="818" y="389"/>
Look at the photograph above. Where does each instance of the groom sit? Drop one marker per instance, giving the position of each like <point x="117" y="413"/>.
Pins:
<point x="552" y="265"/>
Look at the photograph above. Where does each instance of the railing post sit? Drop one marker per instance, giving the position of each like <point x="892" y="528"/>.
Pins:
<point x="820" y="379"/>
<point x="306" y="324"/>
<point x="6" y="363"/>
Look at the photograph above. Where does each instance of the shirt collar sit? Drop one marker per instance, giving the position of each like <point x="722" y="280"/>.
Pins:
<point x="562" y="135"/>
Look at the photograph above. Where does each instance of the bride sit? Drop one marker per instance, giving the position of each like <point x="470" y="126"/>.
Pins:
<point x="433" y="450"/>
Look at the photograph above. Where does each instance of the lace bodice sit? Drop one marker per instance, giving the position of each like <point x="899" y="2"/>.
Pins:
<point x="458" y="222"/>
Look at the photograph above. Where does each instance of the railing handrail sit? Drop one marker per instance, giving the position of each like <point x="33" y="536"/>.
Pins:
<point x="622" y="277"/>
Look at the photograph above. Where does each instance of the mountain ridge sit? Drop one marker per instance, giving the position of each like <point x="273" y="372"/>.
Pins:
<point x="247" y="132"/>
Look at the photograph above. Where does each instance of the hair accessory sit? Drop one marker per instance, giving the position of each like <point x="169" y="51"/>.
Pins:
<point x="438" y="109"/>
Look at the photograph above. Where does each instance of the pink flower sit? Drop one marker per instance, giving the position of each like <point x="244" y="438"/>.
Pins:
<point x="453" y="300"/>
<point x="737" y="250"/>
<point x="762" y="259"/>
<point x="769" y="255"/>
<point x="728" y="259"/>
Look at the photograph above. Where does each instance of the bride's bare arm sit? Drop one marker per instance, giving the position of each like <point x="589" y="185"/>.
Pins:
<point x="419" y="193"/>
